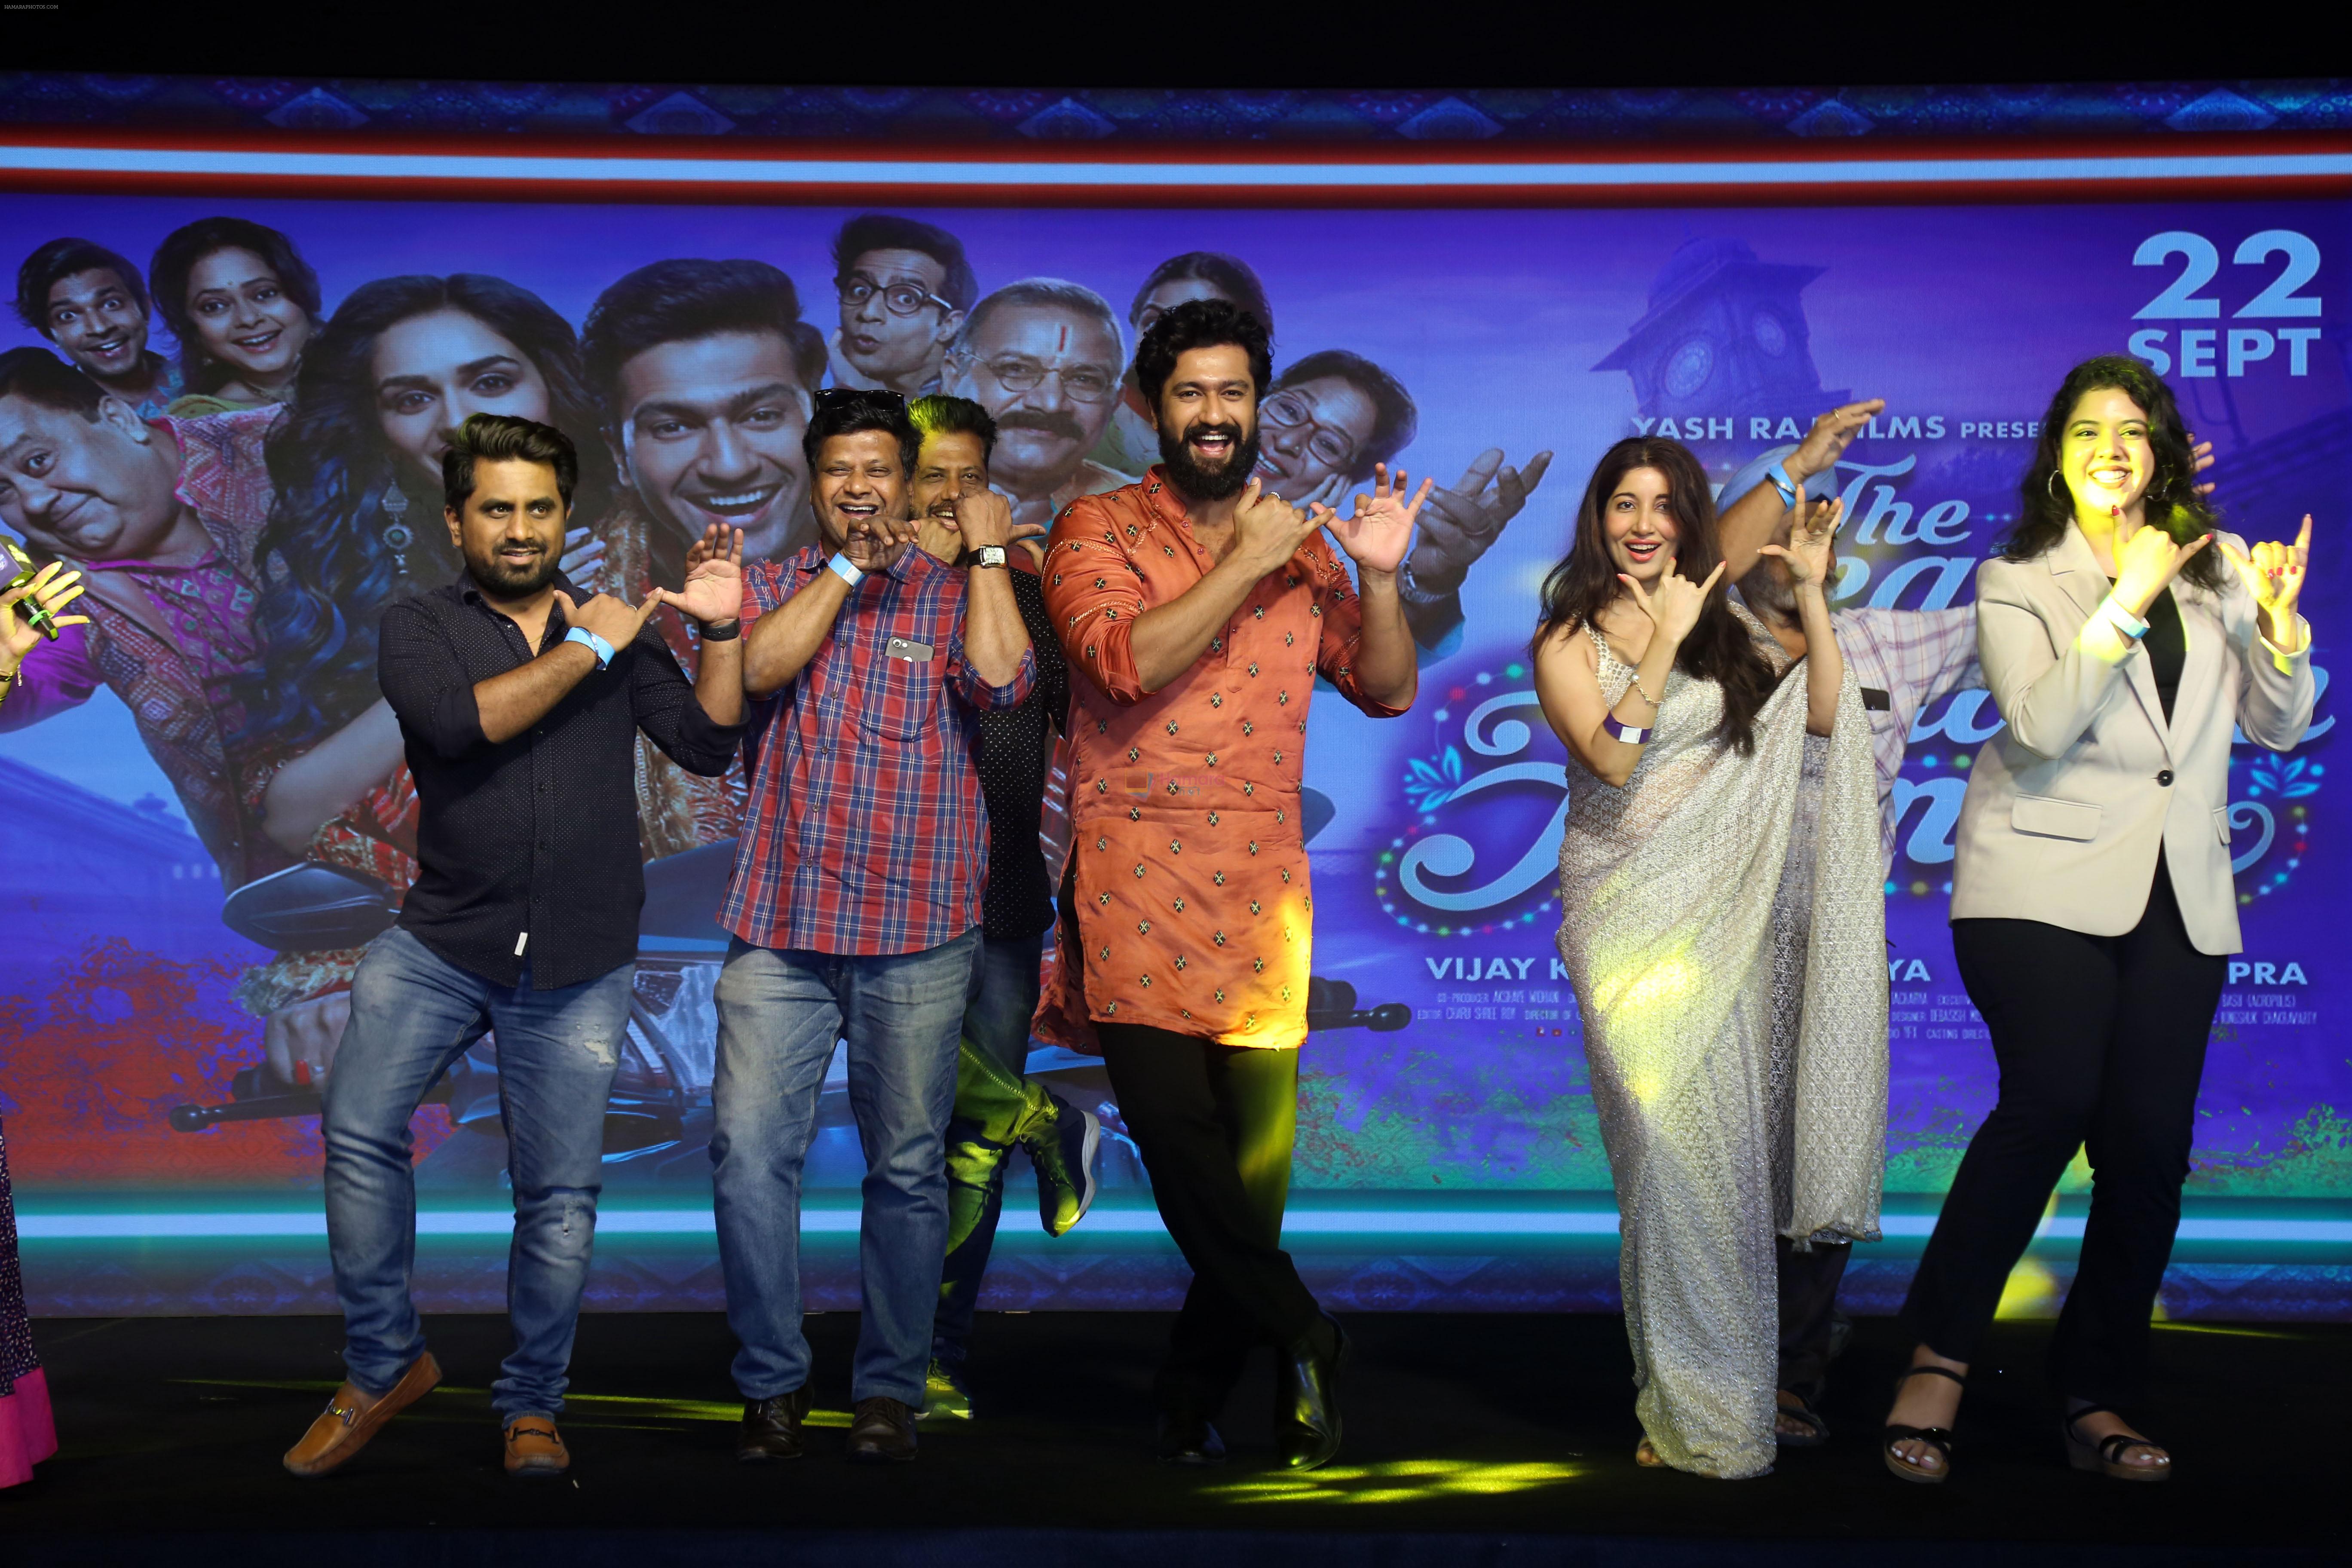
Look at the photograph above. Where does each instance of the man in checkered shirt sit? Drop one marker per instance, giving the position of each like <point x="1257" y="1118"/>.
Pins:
<point x="856" y="907"/>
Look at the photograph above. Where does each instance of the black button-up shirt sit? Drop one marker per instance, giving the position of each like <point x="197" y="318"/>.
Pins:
<point x="1019" y="902"/>
<point x="527" y="849"/>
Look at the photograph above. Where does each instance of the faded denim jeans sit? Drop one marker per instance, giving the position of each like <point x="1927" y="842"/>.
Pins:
<point x="779" y="1014"/>
<point x="412" y="1014"/>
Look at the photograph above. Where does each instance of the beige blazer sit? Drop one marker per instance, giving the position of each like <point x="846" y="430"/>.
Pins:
<point x="2067" y="806"/>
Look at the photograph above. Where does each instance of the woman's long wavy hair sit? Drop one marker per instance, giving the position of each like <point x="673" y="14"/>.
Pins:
<point x="1719" y="647"/>
<point x="331" y="570"/>
<point x="2172" y="502"/>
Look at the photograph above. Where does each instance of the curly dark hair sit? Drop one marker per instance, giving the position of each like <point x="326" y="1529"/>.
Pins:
<point x="1719" y="647"/>
<point x="176" y="257"/>
<point x="2172" y="502"/>
<point x="330" y="569"/>
<point x="1202" y="324"/>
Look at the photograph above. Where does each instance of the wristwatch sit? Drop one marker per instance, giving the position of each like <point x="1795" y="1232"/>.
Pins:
<point x="983" y="555"/>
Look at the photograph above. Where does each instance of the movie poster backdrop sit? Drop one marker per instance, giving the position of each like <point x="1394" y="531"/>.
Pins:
<point x="1446" y="1059"/>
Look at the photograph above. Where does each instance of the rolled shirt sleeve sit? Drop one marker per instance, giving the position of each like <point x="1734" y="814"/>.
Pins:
<point x="670" y="713"/>
<point x="1095" y="597"/>
<point x="968" y="684"/>
<point x="426" y="684"/>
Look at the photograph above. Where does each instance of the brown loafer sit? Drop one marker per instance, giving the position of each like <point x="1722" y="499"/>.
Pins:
<point x="534" y="1449"/>
<point x="353" y="1415"/>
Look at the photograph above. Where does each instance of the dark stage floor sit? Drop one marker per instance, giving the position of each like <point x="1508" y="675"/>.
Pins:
<point x="1488" y="1440"/>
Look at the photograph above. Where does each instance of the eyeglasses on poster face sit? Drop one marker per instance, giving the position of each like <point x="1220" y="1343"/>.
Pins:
<point x="899" y="299"/>
<point x="1081" y="384"/>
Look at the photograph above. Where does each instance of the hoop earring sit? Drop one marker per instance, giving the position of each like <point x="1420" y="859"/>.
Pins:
<point x="2051" y="485"/>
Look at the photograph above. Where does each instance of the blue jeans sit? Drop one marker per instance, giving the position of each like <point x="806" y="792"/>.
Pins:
<point x="995" y="1107"/>
<point x="779" y="1014"/>
<point x="412" y="1014"/>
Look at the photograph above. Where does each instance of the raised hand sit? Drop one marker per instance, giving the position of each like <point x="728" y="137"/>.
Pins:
<point x="1674" y="608"/>
<point x="1810" y="535"/>
<point x="611" y="619"/>
<point x="713" y="590"/>
<point x="2200" y="457"/>
<point x="1379" y="528"/>
<point x="1270" y="529"/>
<point x="1461" y="524"/>
<point x="583" y="553"/>
<point x="983" y="518"/>
<point x="2273" y="575"/>
<point x="52" y="592"/>
<point x="1831" y="433"/>
<point x="2145" y="565"/>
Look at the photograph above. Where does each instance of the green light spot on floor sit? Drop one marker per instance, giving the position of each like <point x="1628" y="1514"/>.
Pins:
<point x="1403" y="1480"/>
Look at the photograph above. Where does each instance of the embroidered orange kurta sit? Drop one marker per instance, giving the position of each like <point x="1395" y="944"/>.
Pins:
<point x="1194" y="912"/>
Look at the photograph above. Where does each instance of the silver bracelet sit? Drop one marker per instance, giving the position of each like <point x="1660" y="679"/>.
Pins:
<point x="1410" y="591"/>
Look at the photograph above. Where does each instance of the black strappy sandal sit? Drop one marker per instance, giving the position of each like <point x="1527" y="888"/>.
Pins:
<point x="1819" y="1429"/>
<point x="2105" y="1456"/>
<point x="1937" y="1438"/>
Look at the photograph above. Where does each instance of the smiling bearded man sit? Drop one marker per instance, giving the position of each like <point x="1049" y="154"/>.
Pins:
<point x="1201" y="608"/>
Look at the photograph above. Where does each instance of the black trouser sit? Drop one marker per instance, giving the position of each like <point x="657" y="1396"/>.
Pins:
<point x="1809" y="1286"/>
<point x="2101" y="1041"/>
<point x="1214" y="1124"/>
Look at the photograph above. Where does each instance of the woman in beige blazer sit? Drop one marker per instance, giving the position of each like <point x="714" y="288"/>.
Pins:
<point x="2092" y="909"/>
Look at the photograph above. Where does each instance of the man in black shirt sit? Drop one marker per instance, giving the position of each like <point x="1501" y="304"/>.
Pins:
<point x="519" y="703"/>
<point x="996" y="1106"/>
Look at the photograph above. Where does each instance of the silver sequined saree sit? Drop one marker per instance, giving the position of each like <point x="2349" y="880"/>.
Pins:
<point x="1669" y="888"/>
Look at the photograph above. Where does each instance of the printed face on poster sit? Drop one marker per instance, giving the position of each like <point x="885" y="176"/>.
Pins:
<point x="1499" y="350"/>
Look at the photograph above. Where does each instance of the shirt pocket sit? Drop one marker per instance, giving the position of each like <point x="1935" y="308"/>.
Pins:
<point x="899" y="697"/>
<point x="2052" y="819"/>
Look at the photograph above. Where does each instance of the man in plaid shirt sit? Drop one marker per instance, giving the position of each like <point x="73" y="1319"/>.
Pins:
<point x="855" y="907"/>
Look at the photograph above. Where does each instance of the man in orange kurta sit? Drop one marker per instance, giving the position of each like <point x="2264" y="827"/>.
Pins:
<point x="1200" y="609"/>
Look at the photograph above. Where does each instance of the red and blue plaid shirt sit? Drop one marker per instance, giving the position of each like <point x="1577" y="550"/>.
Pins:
<point x="866" y="832"/>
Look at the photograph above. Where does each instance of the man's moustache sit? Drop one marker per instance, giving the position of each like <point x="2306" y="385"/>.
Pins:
<point x="1063" y="425"/>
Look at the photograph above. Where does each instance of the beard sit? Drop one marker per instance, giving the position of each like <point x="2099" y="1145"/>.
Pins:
<point x="1200" y="481"/>
<point x="498" y="577"/>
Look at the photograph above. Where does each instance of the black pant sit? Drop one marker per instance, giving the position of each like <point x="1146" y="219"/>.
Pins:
<point x="1214" y="1124"/>
<point x="2101" y="1041"/>
<point x="1809" y="1285"/>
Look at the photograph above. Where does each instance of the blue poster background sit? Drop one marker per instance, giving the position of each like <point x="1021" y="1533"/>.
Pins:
<point x="1464" y="1143"/>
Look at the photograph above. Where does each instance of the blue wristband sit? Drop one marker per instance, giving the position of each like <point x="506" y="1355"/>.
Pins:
<point x="840" y="567"/>
<point x="1778" y="474"/>
<point x="1624" y="731"/>
<point x="593" y="644"/>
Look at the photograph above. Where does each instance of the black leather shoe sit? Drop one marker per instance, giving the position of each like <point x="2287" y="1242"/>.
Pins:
<point x="1307" y="1397"/>
<point x="1190" y="1440"/>
<point x="771" y="1427"/>
<point x="882" y="1429"/>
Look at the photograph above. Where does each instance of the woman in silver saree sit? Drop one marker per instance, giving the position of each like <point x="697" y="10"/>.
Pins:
<point x="1732" y="980"/>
